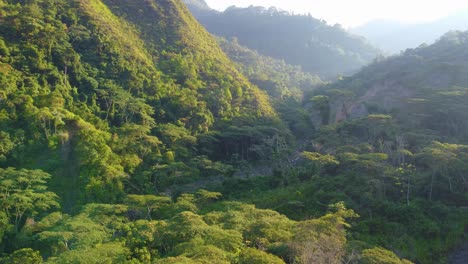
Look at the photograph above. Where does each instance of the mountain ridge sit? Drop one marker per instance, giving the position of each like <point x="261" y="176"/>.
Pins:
<point x="391" y="84"/>
<point x="313" y="44"/>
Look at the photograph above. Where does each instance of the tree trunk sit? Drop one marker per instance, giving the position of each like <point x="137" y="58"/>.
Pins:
<point x="408" y="192"/>
<point x="450" y="184"/>
<point x="149" y="212"/>
<point x="432" y="185"/>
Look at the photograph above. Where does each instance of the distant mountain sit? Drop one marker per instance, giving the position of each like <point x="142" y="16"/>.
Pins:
<point x="392" y="36"/>
<point x="197" y="4"/>
<point x="426" y="88"/>
<point x="274" y="76"/>
<point x="199" y="7"/>
<point x="297" y="39"/>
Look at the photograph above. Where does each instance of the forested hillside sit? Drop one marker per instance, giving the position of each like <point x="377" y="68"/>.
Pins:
<point x="298" y="39"/>
<point x="98" y="102"/>
<point x="276" y="77"/>
<point x="73" y="71"/>
<point x="427" y="83"/>
<point x="393" y="139"/>
<point x="201" y="4"/>
<point x="127" y="135"/>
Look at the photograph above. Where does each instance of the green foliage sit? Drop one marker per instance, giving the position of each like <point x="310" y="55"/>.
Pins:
<point x="274" y="76"/>
<point x="102" y="253"/>
<point x="252" y="255"/>
<point x="322" y="160"/>
<point x="4" y="51"/>
<point x="83" y="84"/>
<point x="100" y="104"/>
<point x="24" y="194"/>
<point x="444" y="160"/>
<point x="213" y="232"/>
<point x="317" y="47"/>
<point x="22" y="256"/>
<point x="380" y="255"/>
<point x="148" y="203"/>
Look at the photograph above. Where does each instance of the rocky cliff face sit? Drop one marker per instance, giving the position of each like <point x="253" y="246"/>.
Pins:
<point x="386" y="95"/>
<point x="390" y="84"/>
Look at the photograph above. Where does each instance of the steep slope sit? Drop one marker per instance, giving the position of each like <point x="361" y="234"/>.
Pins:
<point x="100" y="104"/>
<point x="199" y="7"/>
<point x="419" y="85"/>
<point x="276" y="77"/>
<point x="392" y="142"/>
<point x="298" y="39"/>
<point x="180" y="37"/>
<point x="200" y="4"/>
<point x="97" y="93"/>
<point x="284" y="83"/>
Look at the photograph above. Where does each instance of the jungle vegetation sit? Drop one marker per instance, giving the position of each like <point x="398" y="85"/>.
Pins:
<point x="129" y="134"/>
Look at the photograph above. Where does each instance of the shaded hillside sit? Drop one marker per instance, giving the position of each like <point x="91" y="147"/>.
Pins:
<point x="276" y="77"/>
<point x="201" y="4"/>
<point x="417" y="86"/>
<point x="199" y="7"/>
<point x="392" y="142"/>
<point x="284" y="83"/>
<point x="297" y="39"/>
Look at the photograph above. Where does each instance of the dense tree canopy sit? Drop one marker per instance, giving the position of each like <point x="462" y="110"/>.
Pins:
<point x="128" y="136"/>
<point x="301" y="40"/>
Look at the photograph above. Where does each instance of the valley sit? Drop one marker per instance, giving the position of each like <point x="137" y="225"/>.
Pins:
<point x="164" y="131"/>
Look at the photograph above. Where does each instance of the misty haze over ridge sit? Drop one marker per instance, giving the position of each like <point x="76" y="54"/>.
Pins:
<point x="303" y="40"/>
<point x="394" y="36"/>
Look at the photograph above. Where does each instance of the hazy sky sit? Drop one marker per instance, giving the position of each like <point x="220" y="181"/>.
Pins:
<point x="351" y="13"/>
